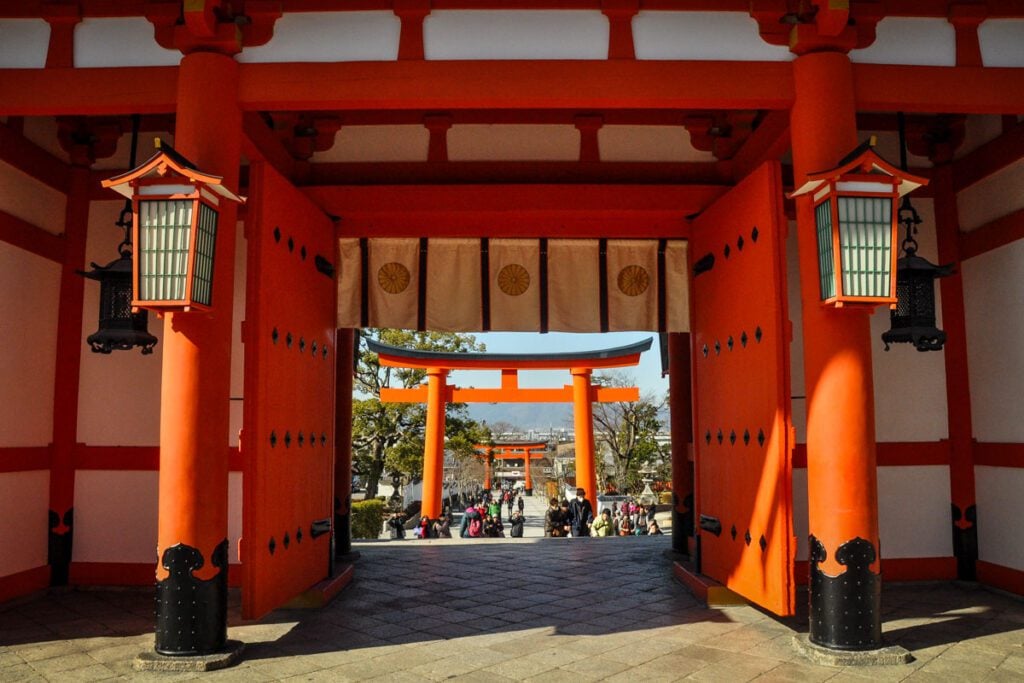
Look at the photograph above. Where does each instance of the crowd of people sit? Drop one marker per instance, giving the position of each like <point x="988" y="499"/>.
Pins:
<point x="576" y="518"/>
<point x="483" y="518"/>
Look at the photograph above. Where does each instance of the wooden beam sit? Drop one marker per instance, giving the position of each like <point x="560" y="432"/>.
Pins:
<point x="88" y="92"/>
<point x="992" y="235"/>
<point x="24" y="155"/>
<point x="31" y="238"/>
<point x="990" y="158"/>
<point x="929" y="89"/>
<point x="648" y="211"/>
<point x="470" y="395"/>
<point x="769" y="142"/>
<point x="259" y="142"/>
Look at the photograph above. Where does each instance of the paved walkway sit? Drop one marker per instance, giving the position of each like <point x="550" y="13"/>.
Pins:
<point x="492" y="610"/>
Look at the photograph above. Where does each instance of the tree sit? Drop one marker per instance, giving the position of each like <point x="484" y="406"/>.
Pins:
<point x="628" y="430"/>
<point x="389" y="436"/>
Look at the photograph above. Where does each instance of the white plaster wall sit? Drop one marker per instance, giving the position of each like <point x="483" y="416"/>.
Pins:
<point x="120" y="41"/>
<point x="993" y="197"/>
<point x="23" y="43"/>
<point x="119" y="393"/>
<point x="979" y="129"/>
<point x="904" y="371"/>
<point x="910" y="40"/>
<point x="330" y="37"/>
<point x="515" y="34"/>
<point x="913" y="511"/>
<point x="513" y="142"/>
<point x="377" y="143"/>
<point x="29" y="290"/>
<point x="116" y="516"/>
<point x="648" y="143"/>
<point x="1000" y="511"/>
<point x="994" y="303"/>
<point x="31" y="201"/>
<point x="42" y="130"/>
<point x="702" y="35"/>
<point x="1002" y="42"/>
<point x="24" y="501"/>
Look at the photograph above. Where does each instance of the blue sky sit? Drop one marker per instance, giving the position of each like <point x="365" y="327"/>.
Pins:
<point x="647" y="375"/>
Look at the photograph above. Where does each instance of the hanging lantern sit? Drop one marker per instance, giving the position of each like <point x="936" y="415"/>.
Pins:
<point x="913" y="319"/>
<point x="119" y="328"/>
<point x="174" y="230"/>
<point x="857" y="227"/>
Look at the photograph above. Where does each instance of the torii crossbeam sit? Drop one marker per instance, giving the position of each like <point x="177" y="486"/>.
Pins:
<point x="436" y="393"/>
<point x="512" y="450"/>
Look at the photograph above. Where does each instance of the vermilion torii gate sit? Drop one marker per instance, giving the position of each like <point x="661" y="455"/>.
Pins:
<point x="436" y="393"/>
<point x="517" y="450"/>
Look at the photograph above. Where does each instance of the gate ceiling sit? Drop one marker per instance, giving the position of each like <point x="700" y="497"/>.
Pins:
<point x="288" y="434"/>
<point x="741" y="403"/>
<point x="535" y="285"/>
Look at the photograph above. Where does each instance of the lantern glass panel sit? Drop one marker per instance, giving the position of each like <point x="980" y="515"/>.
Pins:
<point x="165" y="228"/>
<point x="826" y="261"/>
<point x="865" y="244"/>
<point x="206" y="240"/>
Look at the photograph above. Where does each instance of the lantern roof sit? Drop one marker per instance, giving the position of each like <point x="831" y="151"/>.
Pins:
<point x="863" y="160"/>
<point x="168" y="159"/>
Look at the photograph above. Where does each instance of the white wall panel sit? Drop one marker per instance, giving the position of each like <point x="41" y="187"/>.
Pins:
<point x="515" y="34"/>
<point x="115" y="516"/>
<point x="903" y="371"/>
<point x="330" y="37"/>
<point x="119" y="393"/>
<point x="910" y="40"/>
<point x="913" y="512"/>
<point x="994" y="311"/>
<point x="24" y="43"/>
<point x="120" y="41"/>
<point x="29" y="290"/>
<point x="648" y="143"/>
<point x="979" y="129"/>
<point x="1002" y="42"/>
<point x="24" y="501"/>
<point x="513" y="142"/>
<point x="993" y="197"/>
<point x="31" y="201"/>
<point x="377" y="143"/>
<point x="702" y="35"/>
<point x="1000" y="511"/>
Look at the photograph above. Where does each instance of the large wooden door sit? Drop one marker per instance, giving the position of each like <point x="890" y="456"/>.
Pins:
<point x="742" y="427"/>
<point x="288" y="432"/>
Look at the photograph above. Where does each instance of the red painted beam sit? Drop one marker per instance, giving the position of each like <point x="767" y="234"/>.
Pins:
<point x="24" y="458"/>
<point x="768" y="143"/>
<point x="24" y="155"/>
<point x="990" y="158"/>
<point x="88" y="92"/>
<point x="992" y="235"/>
<point x="928" y="89"/>
<point x="895" y="454"/>
<point x="31" y="238"/>
<point x="999" y="454"/>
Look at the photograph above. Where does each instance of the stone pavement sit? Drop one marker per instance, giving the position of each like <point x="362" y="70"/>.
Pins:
<point x="516" y="609"/>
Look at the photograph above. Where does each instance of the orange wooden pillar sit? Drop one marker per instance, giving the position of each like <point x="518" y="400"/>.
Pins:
<point x="841" y="482"/>
<point x="527" y="478"/>
<point x="433" y="453"/>
<point x="343" y="442"/>
<point x="193" y="506"/>
<point x="488" y="468"/>
<point x="681" y="425"/>
<point x="583" y="423"/>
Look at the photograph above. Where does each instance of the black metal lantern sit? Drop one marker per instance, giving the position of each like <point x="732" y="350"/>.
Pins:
<point x="913" y="319"/>
<point x="119" y="328"/>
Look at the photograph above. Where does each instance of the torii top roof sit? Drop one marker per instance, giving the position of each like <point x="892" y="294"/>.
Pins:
<point x="167" y="158"/>
<point x="617" y="357"/>
<point x="864" y="157"/>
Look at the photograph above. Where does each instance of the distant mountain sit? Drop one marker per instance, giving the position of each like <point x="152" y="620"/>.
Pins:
<point x="525" y="416"/>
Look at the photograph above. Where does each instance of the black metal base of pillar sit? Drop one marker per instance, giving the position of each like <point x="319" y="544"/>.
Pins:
<point x="154" y="661"/>
<point x="191" y="613"/>
<point x="845" y="610"/>
<point x="883" y="656"/>
<point x="59" y="547"/>
<point x="528" y="492"/>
